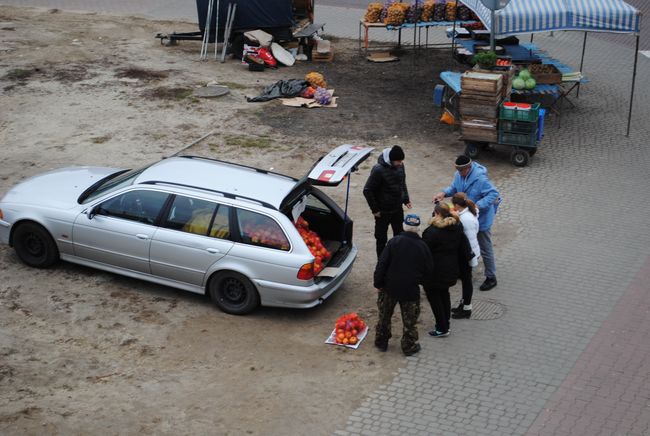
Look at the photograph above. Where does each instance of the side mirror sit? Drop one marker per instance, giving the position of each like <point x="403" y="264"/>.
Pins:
<point x="91" y="212"/>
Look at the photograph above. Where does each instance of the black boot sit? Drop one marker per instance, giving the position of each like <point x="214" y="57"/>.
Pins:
<point x="457" y="309"/>
<point x="489" y="283"/>
<point x="462" y="314"/>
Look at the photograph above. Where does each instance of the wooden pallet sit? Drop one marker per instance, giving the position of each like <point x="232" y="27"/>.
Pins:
<point x="322" y="57"/>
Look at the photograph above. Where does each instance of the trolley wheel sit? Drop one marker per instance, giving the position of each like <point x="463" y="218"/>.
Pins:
<point x="519" y="158"/>
<point x="472" y="149"/>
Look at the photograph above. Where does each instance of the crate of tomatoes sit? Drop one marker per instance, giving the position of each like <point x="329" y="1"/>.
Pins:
<point x="349" y="331"/>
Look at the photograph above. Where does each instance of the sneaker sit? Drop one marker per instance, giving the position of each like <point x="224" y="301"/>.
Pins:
<point x="488" y="284"/>
<point x="462" y="314"/>
<point x="413" y="350"/>
<point x="457" y="309"/>
<point x="438" y="334"/>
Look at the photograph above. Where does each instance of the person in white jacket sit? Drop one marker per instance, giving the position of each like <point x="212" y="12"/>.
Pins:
<point x="468" y="214"/>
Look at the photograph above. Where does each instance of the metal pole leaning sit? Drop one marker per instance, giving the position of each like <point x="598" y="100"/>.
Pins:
<point x="216" y="33"/>
<point x="229" y="23"/>
<point x="225" y="33"/>
<point x="206" y="32"/>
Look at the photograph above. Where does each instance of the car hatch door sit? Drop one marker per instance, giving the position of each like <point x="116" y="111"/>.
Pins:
<point x="332" y="168"/>
<point x="329" y="170"/>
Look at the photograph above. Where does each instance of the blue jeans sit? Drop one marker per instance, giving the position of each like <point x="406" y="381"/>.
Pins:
<point x="487" y="253"/>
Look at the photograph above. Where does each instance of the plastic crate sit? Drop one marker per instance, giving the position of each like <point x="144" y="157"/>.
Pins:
<point x="529" y="115"/>
<point x="517" y="126"/>
<point x="521" y="139"/>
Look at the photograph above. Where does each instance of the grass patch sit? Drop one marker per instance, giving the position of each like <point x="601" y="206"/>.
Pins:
<point x="246" y="141"/>
<point x="101" y="139"/>
<point x="163" y="93"/>
<point x="18" y="74"/>
<point x="140" y="73"/>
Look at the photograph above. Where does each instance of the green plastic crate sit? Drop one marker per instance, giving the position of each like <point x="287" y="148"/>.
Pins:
<point x="520" y="139"/>
<point x="518" y="126"/>
<point x="530" y="115"/>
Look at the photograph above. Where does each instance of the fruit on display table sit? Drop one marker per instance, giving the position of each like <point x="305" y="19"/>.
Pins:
<point x="314" y="243"/>
<point x="348" y="327"/>
<point x="524" y="80"/>
<point x="373" y="13"/>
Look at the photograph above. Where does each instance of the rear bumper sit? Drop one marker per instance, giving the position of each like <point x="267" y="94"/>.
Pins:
<point x="303" y="297"/>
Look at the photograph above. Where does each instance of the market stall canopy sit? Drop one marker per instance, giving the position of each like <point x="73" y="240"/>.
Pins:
<point x="531" y="16"/>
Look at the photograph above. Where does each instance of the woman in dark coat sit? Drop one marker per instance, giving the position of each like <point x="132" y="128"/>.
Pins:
<point x="447" y="243"/>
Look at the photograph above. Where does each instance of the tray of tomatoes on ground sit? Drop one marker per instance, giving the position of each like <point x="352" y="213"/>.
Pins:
<point x="349" y="331"/>
<point x="315" y="245"/>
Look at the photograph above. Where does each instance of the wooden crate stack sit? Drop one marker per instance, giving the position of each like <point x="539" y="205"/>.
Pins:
<point x="482" y="93"/>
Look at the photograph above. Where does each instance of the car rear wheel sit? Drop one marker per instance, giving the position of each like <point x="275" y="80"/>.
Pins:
<point x="233" y="293"/>
<point x="34" y="245"/>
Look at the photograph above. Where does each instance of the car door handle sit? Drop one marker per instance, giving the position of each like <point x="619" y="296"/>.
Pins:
<point x="142" y="236"/>
<point x="212" y="250"/>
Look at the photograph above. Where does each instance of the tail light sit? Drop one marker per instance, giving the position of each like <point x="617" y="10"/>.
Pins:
<point x="306" y="271"/>
<point x="2" y="215"/>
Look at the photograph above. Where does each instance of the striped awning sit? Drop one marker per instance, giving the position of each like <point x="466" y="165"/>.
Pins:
<point x="530" y="16"/>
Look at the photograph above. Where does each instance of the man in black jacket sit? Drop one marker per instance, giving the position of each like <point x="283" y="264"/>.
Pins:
<point x="405" y="264"/>
<point x="386" y="192"/>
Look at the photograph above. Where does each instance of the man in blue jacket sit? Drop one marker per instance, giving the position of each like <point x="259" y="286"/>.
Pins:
<point x="471" y="178"/>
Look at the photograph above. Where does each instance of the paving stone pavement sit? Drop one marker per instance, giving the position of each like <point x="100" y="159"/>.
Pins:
<point x="569" y="355"/>
<point x="582" y="209"/>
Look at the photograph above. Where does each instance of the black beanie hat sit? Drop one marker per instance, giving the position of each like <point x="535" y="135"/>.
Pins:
<point x="463" y="161"/>
<point x="396" y="153"/>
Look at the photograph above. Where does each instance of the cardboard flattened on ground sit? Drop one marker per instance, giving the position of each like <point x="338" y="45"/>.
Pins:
<point x="382" y="56"/>
<point x="308" y="102"/>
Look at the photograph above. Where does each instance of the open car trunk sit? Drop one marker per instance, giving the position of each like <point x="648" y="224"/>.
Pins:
<point x="321" y="214"/>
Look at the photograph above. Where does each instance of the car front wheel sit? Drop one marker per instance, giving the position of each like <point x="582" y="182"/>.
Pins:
<point x="233" y="293"/>
<point x="34" y="245"/>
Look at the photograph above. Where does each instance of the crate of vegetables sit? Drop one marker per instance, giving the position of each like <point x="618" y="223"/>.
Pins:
<point x="545" y="73"/>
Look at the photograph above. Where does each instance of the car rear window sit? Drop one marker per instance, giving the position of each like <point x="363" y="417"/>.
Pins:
<point x="258" y="229"/>
<point x="193" y="215"/>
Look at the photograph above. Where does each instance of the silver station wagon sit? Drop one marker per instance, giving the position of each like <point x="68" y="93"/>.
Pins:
<point x="243" y="235"/>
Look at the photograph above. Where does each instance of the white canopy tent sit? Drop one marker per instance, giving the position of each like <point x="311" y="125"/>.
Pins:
<point x="533" y="16"/>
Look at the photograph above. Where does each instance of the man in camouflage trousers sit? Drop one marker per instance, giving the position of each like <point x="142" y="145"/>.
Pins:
<point x="404" y="265"/>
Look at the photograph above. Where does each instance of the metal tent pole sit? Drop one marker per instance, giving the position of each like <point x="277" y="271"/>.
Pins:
<point x="636" y="59"/>
<point x="582" y="60"/>
<point x="453" y="37"/>
<point x="216" y="34"/>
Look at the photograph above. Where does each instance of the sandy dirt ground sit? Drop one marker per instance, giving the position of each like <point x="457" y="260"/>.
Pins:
<point x="87" y="352"/>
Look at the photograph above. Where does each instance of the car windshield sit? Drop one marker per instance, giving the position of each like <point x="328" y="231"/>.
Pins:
<point x="110" y="183"/>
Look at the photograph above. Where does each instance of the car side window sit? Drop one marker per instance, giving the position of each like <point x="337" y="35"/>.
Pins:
<point x="190" y="215"/>
<point x="258" y="229"/>
<point x="141" y="206"/>
<point x="221" y="224"/>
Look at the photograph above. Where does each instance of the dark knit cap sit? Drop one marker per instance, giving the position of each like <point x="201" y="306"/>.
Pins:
<point x="396" y="153"/>
<point x="463" y="161"/>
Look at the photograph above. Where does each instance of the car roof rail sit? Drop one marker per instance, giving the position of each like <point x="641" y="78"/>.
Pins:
<point x="225" y="194"/>
<point x="259" y="170"/>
